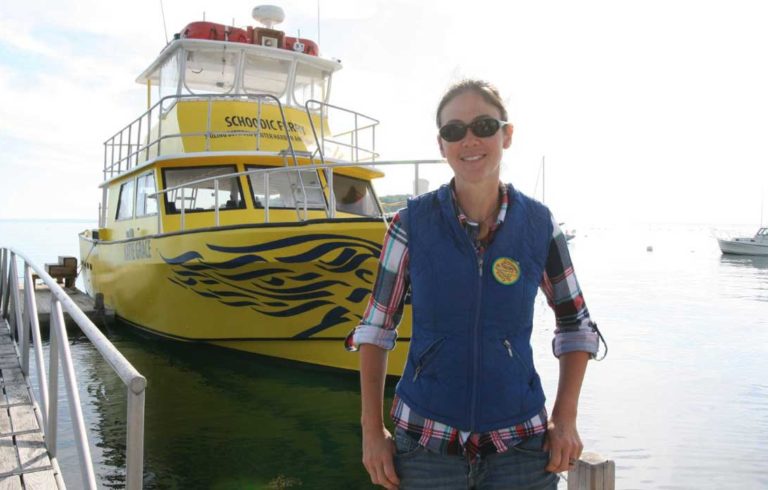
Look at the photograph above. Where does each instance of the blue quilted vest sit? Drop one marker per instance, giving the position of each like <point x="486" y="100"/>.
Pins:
<point x="470" y="363"/>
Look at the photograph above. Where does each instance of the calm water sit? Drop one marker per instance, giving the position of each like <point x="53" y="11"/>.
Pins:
<point x="681" y="402"/>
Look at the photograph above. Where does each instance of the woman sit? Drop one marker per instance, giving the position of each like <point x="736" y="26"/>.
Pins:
<point x="469" y="409"/>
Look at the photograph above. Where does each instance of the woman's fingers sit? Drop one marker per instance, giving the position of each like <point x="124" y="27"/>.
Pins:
<point x="389" y="472"/>
<point x="378" y="454"/>
<point x="564" y="446"/>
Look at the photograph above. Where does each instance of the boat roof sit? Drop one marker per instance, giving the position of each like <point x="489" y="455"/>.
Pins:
<point x="152" y="73"/>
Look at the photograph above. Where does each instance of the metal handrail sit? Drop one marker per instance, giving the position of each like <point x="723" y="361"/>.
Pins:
<point x="354" y="133"/>
<point x="328" y="167"/>
<point x="139" y="145"/>
<point x="132" y="158"/>
<point x="22" y="324"/>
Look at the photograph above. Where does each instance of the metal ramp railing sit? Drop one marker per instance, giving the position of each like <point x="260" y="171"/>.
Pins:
<point x="22" y="316"/>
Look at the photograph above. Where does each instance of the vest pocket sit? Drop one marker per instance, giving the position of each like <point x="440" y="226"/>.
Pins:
<point x="512" y="353"/>
<point x="427" y="356"/>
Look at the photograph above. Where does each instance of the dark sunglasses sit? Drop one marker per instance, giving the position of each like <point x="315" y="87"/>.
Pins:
<point x="482" y="128"/>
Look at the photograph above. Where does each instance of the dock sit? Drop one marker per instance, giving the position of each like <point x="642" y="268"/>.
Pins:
<point x="24" y="459"/>
<point x="93" y="308"/>
<point x="29" y="420"/>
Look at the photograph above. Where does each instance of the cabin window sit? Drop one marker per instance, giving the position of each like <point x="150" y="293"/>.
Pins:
<point x="210" y="71"/>
<point x="146" y="202"/>
<point x="169" y="81"/>
<point x="265" y="75"/>
<point x="311" y="84"/>
<point x="125" y="201"/>
<point x="202" y="196"/>
<point x="354" y="196"/>
<point x="285" y="189"/>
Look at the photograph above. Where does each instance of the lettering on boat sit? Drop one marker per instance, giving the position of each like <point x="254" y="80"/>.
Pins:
<point x="137" y="250"/>
<point x="254" y="122"/>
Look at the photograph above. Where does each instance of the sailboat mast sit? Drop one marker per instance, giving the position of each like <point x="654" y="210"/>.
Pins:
<point x="543" y="181"/>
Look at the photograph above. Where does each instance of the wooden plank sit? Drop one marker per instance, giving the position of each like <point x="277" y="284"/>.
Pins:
<point x="23" y="418"/>
<point x="13" y="376"/>
<point x="39" y="480"/>
<point x="8" y="460"/>
<point x="68" y="261"/>
<point x="7" y="349"/>
<point x="5" y="421"/>
<point x="12" y="483"/>
<point x="32" y="451"/>
<point x="17" y="394"/>
<point x="592" y="472"/>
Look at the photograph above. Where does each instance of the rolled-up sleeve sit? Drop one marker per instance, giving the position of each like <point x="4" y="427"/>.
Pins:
<point x="575" y="330"/>
<point x="385" y="306"/>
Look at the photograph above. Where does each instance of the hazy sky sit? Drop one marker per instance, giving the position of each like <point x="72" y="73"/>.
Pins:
<point x="646" y="111"/>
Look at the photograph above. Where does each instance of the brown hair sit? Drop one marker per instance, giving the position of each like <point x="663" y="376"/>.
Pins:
<point x="480" y="87"/>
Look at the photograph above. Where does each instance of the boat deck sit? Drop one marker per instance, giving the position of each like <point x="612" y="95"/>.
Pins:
<point x="24" y="460"/>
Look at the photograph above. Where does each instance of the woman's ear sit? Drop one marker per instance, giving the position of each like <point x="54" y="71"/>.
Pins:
<point x="508" y="130"/>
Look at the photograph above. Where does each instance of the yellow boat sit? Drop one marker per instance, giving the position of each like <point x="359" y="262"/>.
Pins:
<point x="238" y="209"/>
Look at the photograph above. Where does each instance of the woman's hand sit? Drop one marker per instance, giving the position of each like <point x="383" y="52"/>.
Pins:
<point x="378" y="452"/>
<point x="563" y="444"/>
<point x="563" y="440"/>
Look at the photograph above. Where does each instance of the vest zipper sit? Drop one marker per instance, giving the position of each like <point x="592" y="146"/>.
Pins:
<point x="427" y="356"/>
<point x="509" y="348"/>
<point x="476" y="340"/>
<point x="516" y="355"/>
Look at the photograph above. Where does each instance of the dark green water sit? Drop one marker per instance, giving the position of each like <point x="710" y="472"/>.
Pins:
<point x="221" y="419"/>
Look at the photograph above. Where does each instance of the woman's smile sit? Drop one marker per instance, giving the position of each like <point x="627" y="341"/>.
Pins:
<point x="474" y="159"/>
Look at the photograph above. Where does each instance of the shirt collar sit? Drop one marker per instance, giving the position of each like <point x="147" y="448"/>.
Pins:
<point x="503" y="205"/>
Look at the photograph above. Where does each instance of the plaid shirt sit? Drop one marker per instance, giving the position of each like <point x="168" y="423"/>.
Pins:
<point x="574" y="330"/>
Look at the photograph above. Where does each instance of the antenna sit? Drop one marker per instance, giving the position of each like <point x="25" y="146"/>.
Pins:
<point x="318" y="22"/>
<point x="543" y="180"/>
<point x="165" y="28"/>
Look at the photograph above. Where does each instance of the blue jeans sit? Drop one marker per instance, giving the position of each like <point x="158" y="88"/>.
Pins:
<point x="519" y="468"/>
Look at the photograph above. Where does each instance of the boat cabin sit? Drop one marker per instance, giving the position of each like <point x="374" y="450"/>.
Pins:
<point x="232" y="116"/>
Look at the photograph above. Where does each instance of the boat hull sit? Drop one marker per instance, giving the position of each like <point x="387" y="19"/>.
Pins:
<point x="743" y="247"/>
<point x="289" y="290"/>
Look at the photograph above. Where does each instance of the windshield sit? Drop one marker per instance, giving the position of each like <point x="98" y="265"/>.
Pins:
<point x="311" y="83"/>
<point x="210" y="70"/>
<point x="355" y="196"/>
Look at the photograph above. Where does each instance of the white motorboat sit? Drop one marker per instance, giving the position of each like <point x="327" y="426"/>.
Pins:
<point x="756" y="245"/>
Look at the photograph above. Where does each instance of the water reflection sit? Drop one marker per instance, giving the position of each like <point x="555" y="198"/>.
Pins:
<point x="749" y="261"/>
<point x="745" y="276"/>
<point x="221" y="419"/>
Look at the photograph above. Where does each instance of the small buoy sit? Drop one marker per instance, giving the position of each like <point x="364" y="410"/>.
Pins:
<point x="649" y="248"/>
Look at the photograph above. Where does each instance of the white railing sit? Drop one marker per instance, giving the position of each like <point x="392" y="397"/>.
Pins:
<point x="354" y="136"/>
<point x="23" y="319"/>
<point x="142" y="139"/>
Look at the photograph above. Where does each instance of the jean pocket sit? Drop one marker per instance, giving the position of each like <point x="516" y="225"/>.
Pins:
<point x="533" y="445"/>
<point x="405" y="445"/>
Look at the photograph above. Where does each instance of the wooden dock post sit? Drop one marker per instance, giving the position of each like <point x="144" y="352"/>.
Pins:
<point x="592" y="472"/>
<point x="65" y="270"/>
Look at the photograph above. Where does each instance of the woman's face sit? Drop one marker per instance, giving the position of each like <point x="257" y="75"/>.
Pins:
<point x="473" y="159"/>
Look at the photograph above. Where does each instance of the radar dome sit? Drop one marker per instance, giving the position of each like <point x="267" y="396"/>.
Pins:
<point x="269" y="15"/>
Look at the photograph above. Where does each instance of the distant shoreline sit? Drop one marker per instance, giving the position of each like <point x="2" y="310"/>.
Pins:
<point x="48" y="220"/>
